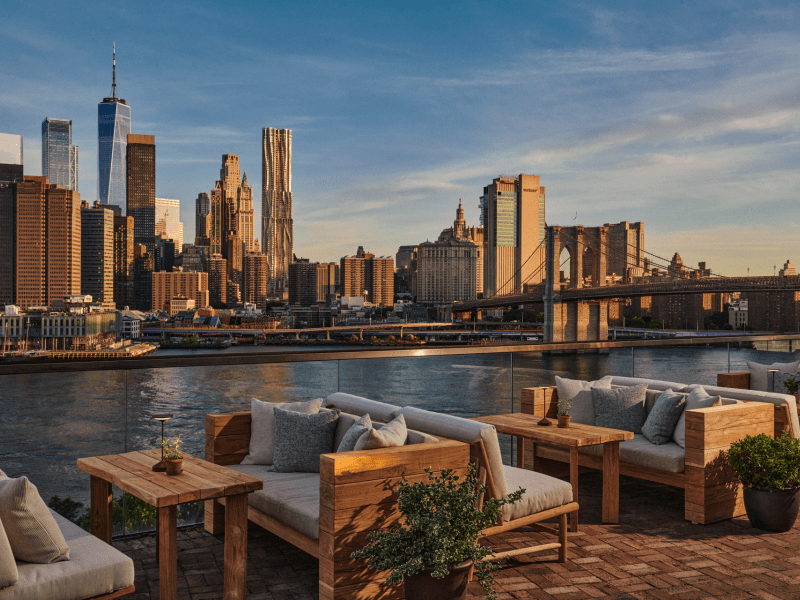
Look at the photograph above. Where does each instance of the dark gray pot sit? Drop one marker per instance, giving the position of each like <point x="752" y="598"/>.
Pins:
<point x="772" y="510"/>
<point x="423" y="586"/>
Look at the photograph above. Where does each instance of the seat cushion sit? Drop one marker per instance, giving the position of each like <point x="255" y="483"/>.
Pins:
<point x="262" y="428"/>
<point x="379" y="411"/>
<point x="291" y="498"/>
<point x="641" y="452"/>
<point x="579" y="393"/>
<point x="94" y="569"/>
<point x="542" y="492"/>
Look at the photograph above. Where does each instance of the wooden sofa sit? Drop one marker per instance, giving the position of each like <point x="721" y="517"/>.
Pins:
<point x="712" y="491"/>
<point x="782" y="417"/>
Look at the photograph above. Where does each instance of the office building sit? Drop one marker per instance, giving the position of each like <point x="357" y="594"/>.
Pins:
<point x="195" y="258"/>
<point x="254" y="279"/>
<point x="123" y="261"/>
<point x="97" y="254"/>
<point x="140" y="188"/>
<point x="327" y="280"/>
<point x="367" y="275"/>
<point x="202" y="219"/>
<point x="143" y="267"/>
<point x="113" y="127"/>
<point x="166" y="252"/>
<point x="10" y="158"/>
<point x="302" y="282"/>
<point x="168" y="221"/>
<point x="59" y="156"/>
<point x="217" y="280"/>
<point x="512" y="217"/>
<point x="277" y="226"/>
<point x="178" y="284"/>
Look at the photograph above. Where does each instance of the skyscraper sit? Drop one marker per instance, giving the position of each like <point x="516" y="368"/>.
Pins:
<point x="168" y="221"/>
<point x="512" y="216"/>
<point x="202" y="222"/>
<point x="113" y="127"/>
<point x="140" y="189"/>
<point x="277" y="228"/>
<point x="10" y="158"/>
<point x="123" y="262"/>
<point x="59" y="156"/>
<point x="365" y="272"/>
<point x="97" y="253"/>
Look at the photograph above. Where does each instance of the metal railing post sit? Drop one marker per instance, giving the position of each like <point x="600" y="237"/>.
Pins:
<point x="511" y="458"/>
<point x="633" y="364"/>
<point x="729" y="357"/>
<point x="338" y="368"/>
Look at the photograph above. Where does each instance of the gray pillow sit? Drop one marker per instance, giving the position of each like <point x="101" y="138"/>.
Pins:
<point x="356" y="430"/>
<point x="301" y="438"/>
<point x="620" y="408"/>
<point x="9" y="575"/>
<point x="262" y="427"/>
<point x="661" y="421"/>
<point x="32" y="531"/>
<point x="698" y="398"/>
<point x="394" y="433"/>
<point x="580" y="392"/>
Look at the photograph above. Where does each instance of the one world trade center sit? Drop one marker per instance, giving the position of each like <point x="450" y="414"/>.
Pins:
<point x="113" y="127"/>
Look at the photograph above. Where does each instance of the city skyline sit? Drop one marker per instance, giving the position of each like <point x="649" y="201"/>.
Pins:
<point x="672" y="116"/>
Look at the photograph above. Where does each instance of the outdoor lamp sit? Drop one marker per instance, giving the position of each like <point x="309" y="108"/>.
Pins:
<point x="773" y="371"/>
<point x="160" y="466"/>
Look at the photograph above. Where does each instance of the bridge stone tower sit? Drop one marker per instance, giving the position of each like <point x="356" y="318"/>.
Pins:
<point x="581" y="320"/>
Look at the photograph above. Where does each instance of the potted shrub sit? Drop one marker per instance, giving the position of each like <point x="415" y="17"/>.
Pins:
<point x="792" y="385"/>
<point x="434" y="546"/>
<point x="563" y="407"/>
<point x="173" y="458"/>
<point x="769" y="470"/>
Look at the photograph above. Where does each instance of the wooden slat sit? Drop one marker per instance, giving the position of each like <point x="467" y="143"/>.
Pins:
<point x="149" y="492"/>
<point x="524" y="425"/>
<point x="718" y="438"/>
<point x="189" y="487"/>
<point x="229" y="444"/>
<point x="713" y="512"/>
<point x="542" y="516"/>
<point x="352" y="572"/>
<point x="234" y="481"/>
<point x="727" y="415"/>
<point x="359" y="518"/>
<point x="368" y="591"/>
<point x="739" y="380"/>
<point x="222" y="424"/>
<point x="226" y="459"/>
<point x="520" y="551"/>
<point x="118" y="594"/>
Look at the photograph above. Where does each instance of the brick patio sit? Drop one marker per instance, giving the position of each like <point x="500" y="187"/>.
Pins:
<point x="652" y="553"/>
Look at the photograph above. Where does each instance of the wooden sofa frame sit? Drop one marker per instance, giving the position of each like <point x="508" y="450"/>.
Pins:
<point x="712" y="490"/>
<point x="741" y="381"/>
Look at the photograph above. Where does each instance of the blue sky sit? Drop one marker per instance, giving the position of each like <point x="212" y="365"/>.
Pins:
<point x="683" y="115"/>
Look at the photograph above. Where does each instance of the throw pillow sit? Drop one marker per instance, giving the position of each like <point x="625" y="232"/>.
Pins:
<point x="620" y="408"/>
<point x="664" y="416"/>
<point x="301" y="438"/>
<point x="392" y="434"/>
<point x="356" y="430"/>
<point x="32" y="531"/>
<point x="262" y="427"/>
<point x="9" y="575"/>
<point x="3" y="475"/>
<point x="698" y="398"/>
<point x="761" y="378"/>
<point x="580" y="392"/>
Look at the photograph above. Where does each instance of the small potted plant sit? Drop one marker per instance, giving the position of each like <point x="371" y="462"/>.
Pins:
<point x="792" y="384"/>
<point x="769" y="470"/>
<point x="433" y="547"/>
<point x="173" y="458"/>
<point x="563" y="407"/>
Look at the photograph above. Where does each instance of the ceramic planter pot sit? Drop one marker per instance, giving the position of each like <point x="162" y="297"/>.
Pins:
<point x="423" y="586"/>
<point x="772" y="510"/>
<point x="563" y="421"/>
<point x="174" y="465"/>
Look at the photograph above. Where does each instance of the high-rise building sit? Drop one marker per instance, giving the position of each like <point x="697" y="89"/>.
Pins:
<point x="113" y="127"/>
<point x="168" y="221"/>
<point x="302" y="282"/>
<point x="236" y="198"/>
<point x="10" y="158"/>
<point x="366" y="274"/>
<point x="217" y="280"/>
<point x="512" y="217"/>
<point x="277" y="226"/>
<point x="143" y="268"/>
<point x="195" y="258"/>
<point x="59" y="156"/>
<point x="202" y="219"/>
<point x="140" y="188"/>
<point x="327" y="279"/>
<point x="254" y="279"/>
<point x="123" y="262"/>
<point x="233" y="252"/>
<point x="97" y="253"/>
<point x="165" y="253"/>
<point x="178" y="284"/>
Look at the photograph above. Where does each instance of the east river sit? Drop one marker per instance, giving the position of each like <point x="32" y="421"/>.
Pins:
<point x="49" y="421"/>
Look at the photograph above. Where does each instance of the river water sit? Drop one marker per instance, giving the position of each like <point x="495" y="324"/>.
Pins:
<point x="49" y="421"/>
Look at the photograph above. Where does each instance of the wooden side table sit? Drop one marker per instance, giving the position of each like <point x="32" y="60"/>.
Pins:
<point x="201" y="480"/>
<point x="524" y="427"/>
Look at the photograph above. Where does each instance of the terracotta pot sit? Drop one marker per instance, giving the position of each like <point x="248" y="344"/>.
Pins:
<point x="772" y="510"/>
<point x="423" y="586"/>
<point x="174" y="465"/>
<point x="563" y="421"/>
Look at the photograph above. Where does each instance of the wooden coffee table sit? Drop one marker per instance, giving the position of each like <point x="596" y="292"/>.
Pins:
<point x="524" y="427"/>
<point x="200" y="480"/>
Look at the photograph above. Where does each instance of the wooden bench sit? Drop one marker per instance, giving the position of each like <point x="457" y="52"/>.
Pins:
<point x="741" y="381"/>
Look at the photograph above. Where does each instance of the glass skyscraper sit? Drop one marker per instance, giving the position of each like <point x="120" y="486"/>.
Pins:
<point x="113" y="127"/>
<point x="59" y="156"/>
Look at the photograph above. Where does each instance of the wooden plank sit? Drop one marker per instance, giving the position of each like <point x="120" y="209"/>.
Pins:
<point x="542" y="516"/>
<point x="118" y="594"/>
<point x="226" y="459"/>
<point x="727" y="415"/>
<point x="295" y="538"/>
<point x="151" y="493"/>
<point x="229" y="444"/>
<point x="520" y="551"/>
<point x="574" y="464"/>
<point x="168" y="552"/>
<point x="222" y="424"/>
<point x="562" y="538"/>
<point x="369" y="591"/>
<point x="214" y="520"/>
<point x="739" y="380"/>
<point x="359" y="518"/>
<point x="183" y="490"/>
<point x="576" y="434"/>
<point x="711" y="513"/>
<point x="345" y="573"/>
<point x="717" y="438"/>
<point x="223" y="474"/>
<point x="235" y="569"/>
<point x="100" y="498"/>
<point x="610" y="482"/>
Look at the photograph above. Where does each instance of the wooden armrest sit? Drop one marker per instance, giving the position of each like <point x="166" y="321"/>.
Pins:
<point x="227" y="437"/>
<point x="712" y="430"/>
<point x="739" y="380"/>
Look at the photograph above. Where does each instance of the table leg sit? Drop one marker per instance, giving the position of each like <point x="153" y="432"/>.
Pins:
<point x="168" y="552"/>
<point x="573" y="479"/>
<point x="521" y="452"/>
<point x="101" y="496"/>
<point x="611" y="482"/>
<point x="235" y="579"/>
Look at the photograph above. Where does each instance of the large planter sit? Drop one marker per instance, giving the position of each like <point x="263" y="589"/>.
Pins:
<point x="423" y="586"/>
<point x="772" y="510"/>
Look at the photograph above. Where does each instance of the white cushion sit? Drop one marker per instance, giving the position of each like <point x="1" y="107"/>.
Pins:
<point x="262" y="428"/>
<point x="580" y="392"/>
<point x="379" y="411"/>
<point x="697" y="398"/>
<point x="8" y="567"/>
<point x="343" y="425"/>
<point x="641" y="452"/>
<point x="652" y="384"/>
<point x="761" y="378"/>
<point x="418" y="437"/>
<point x="391" y="435"/>
<point x="32" y="532"/>
<point x="542" y="492"/>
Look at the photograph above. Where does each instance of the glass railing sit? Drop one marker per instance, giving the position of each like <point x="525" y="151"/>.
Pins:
<point x="52" y="418"/>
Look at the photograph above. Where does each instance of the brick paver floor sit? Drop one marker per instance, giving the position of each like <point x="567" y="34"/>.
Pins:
<point x="652" y="553"/>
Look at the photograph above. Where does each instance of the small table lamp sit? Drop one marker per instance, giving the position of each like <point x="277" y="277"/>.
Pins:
<point x="773" y="371"/>
<point x="160" y="466"/>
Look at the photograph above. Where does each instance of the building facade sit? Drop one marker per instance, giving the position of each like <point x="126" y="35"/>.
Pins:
<point x="113" y="127"/>
<point x="277" y="226"/>
<point x="254" y="279"/>
<point x="97" y="253"/>
<point x="123" y="262"/>
<point x="140" y="188"/>
<point x="327" y="280"/>
<point x="59" y="156"/>
<point x="178" y="284"/>
<point x="168" y="221"/>
<point x="10" y="158"/>
<point x="302" y="282"/>
<point x="202" y="220"/>
<point x="513" y="220"/>
<point x="364" y="273"/>
<point x="143" y="266"/>
<point x="217" y="280"/>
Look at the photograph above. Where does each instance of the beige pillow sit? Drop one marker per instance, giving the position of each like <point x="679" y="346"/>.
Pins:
<point x="32" y="531"/>
<point x="698" y="398"/>
<point x="262" y="427"/>
<point x="8" y="567"/>
<point x="392" y="434"/>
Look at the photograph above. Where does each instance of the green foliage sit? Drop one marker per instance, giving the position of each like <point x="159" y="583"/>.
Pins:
<point x="67" y="508"/>
<point x="440" y="528"/>
<point x="635" y="322"/>
<point x="172" y="447"/>
<point x="792" y="384"/>
<point x="766" y="463"/>
<point x="564" y="405"/>
<point x="718" y="320"/>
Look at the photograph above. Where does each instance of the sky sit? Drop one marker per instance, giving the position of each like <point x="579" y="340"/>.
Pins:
<point x="685" y="116"/>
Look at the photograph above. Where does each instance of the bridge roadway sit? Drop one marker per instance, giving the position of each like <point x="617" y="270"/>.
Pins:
<point x="308" y="330"/>
<point x="705" y="285"/>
